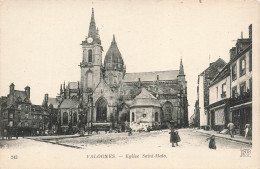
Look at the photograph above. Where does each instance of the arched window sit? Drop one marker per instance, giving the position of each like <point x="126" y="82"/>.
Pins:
<point x="167" y="111"/>
<point x="89" y="55"/>
<point x="65" y="118"/>
<point x="75" y="118"/>
<point x="133" y="116"/>
<point x="89" y="79"/>
<point x="156" y="116"/>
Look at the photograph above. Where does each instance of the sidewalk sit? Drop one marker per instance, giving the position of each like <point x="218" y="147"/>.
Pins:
<point x="236" y="138"/>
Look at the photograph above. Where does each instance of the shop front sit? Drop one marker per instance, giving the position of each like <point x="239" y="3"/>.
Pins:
<point x="241" y="115"/>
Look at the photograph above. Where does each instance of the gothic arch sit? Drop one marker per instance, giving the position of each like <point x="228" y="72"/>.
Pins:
<point x="65" y="118"/>
<point x="101" y="109"/>
<point x="167" y="111"/>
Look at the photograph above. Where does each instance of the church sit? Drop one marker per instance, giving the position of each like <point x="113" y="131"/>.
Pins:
<point x="108" y="96"/>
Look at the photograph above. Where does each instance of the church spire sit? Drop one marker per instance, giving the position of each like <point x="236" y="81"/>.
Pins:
<point x="181" y="71"/>
<point x="92" y="26"/>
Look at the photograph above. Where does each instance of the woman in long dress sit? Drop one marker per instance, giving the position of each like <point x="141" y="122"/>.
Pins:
<point x="173" y="137"/>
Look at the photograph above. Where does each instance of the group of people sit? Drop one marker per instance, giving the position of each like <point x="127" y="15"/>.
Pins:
<point x="231" y="128"/>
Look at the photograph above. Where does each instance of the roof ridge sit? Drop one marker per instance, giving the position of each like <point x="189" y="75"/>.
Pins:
<point x="153" y="71"/>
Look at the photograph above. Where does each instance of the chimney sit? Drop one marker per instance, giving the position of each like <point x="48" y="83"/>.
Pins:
<point x="46" y="97"/>
<point x="157" y="77"/>
<point x="250" y="31"/>
<point x="11" y="88"/>
<point x="232" y="52"/>
<point x="27" y="91"/>
<point x="241" y="35"/>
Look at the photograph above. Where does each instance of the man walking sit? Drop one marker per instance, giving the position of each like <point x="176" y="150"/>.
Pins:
<point x="231" y="128"/>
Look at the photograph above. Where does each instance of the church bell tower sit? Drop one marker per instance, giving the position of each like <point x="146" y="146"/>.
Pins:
<point x="91" y="65"/>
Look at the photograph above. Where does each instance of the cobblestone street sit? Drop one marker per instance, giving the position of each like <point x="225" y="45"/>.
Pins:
<point x="140" y="147"/>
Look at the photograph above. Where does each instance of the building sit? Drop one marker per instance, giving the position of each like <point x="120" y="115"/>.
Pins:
<point x="241" y="82"/>
<point x="18" y="114"/>
<point x="219" y="97"/>
<point x="204" y="80"/>
<point x="230" y="91"/>
<point x="106" y="94"/>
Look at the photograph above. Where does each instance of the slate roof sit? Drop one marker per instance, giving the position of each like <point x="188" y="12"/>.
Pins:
<point x="69" y="103"/>
<point x="113" y="54"/>
<point x="214" y="68"/>
<point x="145" y="99"/>
<point x="54" y="102"/>
<point x="21" y="94"/>
<point x="151" y="76"/>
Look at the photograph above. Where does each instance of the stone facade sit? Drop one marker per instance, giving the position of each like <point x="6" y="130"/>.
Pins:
<point x="19" y="115"/>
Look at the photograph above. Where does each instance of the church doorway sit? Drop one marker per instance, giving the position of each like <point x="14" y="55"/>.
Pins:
<point x="101" y="106"/>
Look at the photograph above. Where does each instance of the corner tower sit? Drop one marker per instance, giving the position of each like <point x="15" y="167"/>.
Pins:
<point x="91" y="64"/>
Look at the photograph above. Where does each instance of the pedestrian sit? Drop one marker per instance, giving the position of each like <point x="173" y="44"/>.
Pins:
<point x="5" y="133"/>
<point x="22" y="134"/>
<point x="231" y="128"/>
<point x="178" y="139"/>
<point x="16" y="134"/>
<point x="247" y="128"/>
<point x="173" y="137"/>
<point x="212" y="142"/>
<point x="130" y="131"/>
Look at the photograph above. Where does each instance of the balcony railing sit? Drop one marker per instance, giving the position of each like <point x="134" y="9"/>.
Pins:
<point x="242" y="98"/>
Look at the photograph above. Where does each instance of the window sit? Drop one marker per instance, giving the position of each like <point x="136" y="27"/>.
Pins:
<point x="133" y="116"/>
<point x="65" y="118"/>
<point x="242" y="88"/>
<point x="11" y="115"/>
<point x="40" y="116"/>
<point x="89" y="55"/>
<point x="26" y="116"/>
<point x="250" y="60"/>
<point x="26" y="124"/>
<point x="242" y="63"/>
<point x="19" y="107"/>
<point x="223" y="94"/>
<point x="34" y="116"/>
<point x="216" y="92"/>
<point x="234" y="72"/>
<point x="234" y="91"/>
<point x="144" y="115"/>
<point x="75" y="118"/>
<point x="156" y="116"/>
<point x="11" y="123"/>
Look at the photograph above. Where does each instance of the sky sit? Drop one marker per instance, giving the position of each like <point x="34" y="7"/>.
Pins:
<point x="40" y="40"/>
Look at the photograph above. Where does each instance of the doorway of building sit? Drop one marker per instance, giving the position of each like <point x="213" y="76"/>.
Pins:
<point x="212" y="121"/>
<point x="101" y="110"/>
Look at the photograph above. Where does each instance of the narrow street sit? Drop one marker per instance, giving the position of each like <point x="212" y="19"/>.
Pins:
<point x="139" y="149"/>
